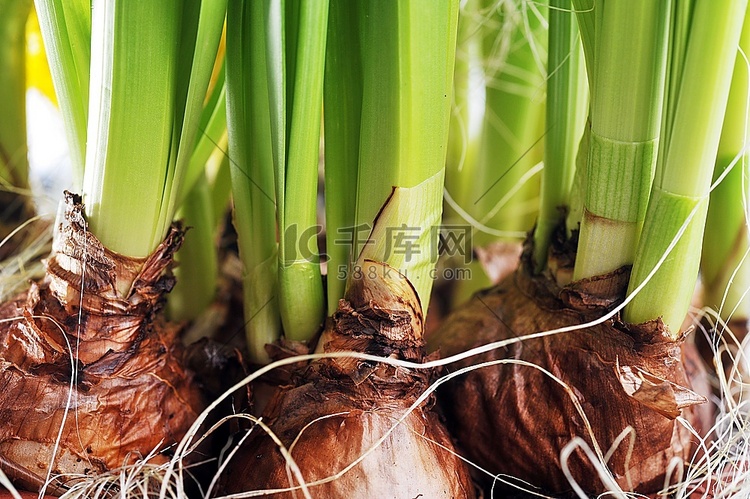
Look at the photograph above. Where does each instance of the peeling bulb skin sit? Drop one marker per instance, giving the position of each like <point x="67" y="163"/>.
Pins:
<point x="131" y="393"/>
<point x="336" y="411"/>
<point x="516" y="420"/>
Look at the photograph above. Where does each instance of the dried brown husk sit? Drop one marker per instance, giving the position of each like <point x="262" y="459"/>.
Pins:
<point x="515" y="420"/>
<point x="337" y="410"/>
<point x="131" y="394"/>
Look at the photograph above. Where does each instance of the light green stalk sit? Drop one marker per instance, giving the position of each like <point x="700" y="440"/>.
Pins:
<point x="408" y="55"/>
<point x="343" y="108"/>
<point x="725" y="265"/>
<point x="198" y="268"/>
<point x="220" y="179"/>
<point x="304" y="44"/>
<point x="252" y="170"/>
<point x="465" y="135"/>
<point x="630" y="46"/>
<point x="130" y="127"/>
<point x="211" y="131"/>
<point x="566" y="115"/>
<point x="66" y="31"/>
<point x="680" y="194"/>
<point x="197" y="264"/>
<point x="142" y="135"/>
<point x="682" y="13"/>
<point x="589" y="17"/>
<point x="13" y="148"/>
<point x="276" y="53"/>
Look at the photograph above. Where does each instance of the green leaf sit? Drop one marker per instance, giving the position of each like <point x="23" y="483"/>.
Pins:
<point x="149" y="72"/>
<point x="13" y="147"/>
<point x="408" y="53"/>
<point x="252" y="169"/>
<point x="343" y="109"/>
<point x="299" y="268"/>
<point x="66" y="31"/>
<point x="686" y="174"/>
<point x="565" y="118"/>
<point x="630" y="46"/>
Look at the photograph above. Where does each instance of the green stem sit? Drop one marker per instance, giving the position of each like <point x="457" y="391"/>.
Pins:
<point x="408" y="55"/>
<point x="630" y="45"/>
<point x="141" y="136"/>
<point x="566" y="115"/>
<point x="220" y="178"/>
<point x="587" y="14"/>
<point x="343" y="109"/>
<point x="682" y="13"/>
<point x="66" y="31"/>
<point x="725" y="265"/>
<point x="211" y="132"/>
<point x="682" y="186"/>
<point x="252" y="171"/>
<point x="276" y="55"/>
<point x="299" y="267"/>
<point x="13" y="147"/>
<point x="198" y="269"/>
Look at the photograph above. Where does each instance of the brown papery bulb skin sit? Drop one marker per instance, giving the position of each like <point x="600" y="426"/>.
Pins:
<point x="338" y="410"/>
<point x="131" y="393"/>
<point x="514" y="419"/>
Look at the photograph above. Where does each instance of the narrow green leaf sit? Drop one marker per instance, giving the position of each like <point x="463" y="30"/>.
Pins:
<point x="565" y="118"/>
<point x="221" y="182"/>
<point x="630" y="46"/>
<point x="343" y="108"/>
<point x="200" y="33"/>
<point x="148" y="82"/>
<point x="211" y="131"/>
<point x="66" y="31"/>
<point x="13" y="147"/>
<point x="681" y="15"/>
<point x="686" y="175"/>
<point x="586" y="12"/>
<point x="299" y="267"/>
<point x="252" y="169"/>
<point x="275" y="70"/>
